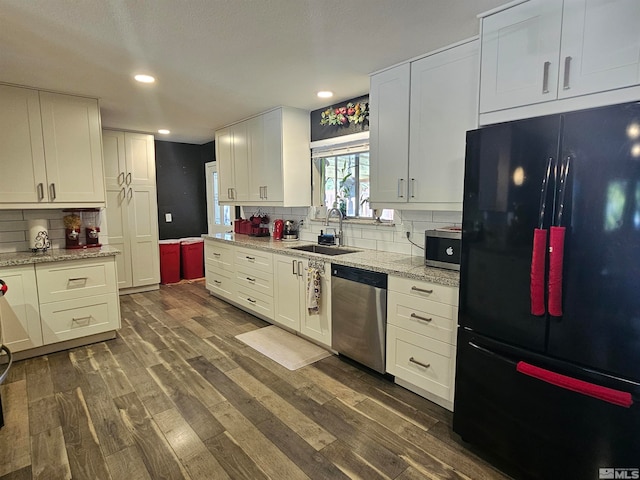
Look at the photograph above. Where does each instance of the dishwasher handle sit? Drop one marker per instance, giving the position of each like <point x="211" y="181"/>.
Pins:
<point x="359" y="275"/>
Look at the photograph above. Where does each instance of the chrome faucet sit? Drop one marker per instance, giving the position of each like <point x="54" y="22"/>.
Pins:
<point x="326" y="222"/>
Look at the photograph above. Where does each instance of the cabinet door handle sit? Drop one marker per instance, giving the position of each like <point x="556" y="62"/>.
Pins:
<point x="82" y="320"/>
<point x="129" y="178"/>
<point x="40" y="191"/>
<point x="567" y="70"/>
<point x="300" y="269"/>
<point x="417" y="362"/>
<point x="120" y="178"/>
<point x="293" y="264"/>
<point x="233" y="193"/>
<point x="401" y="188"/>
<point x="52" y="190"/>
<point x="545" y="77"/>
<point x="416" y="289"/>
<point x="418" y="317"/>
<point x="412" y="188"/>
<point x="130" y="193"/>
<point x="265" y="192"/>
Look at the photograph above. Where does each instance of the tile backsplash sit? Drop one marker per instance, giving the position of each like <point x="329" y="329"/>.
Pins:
<point x="14" y="229"/>
<point x="368" y="234"/>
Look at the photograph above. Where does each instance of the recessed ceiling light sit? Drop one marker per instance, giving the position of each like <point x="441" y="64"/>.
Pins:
<point x="325" y="94"/>
<point x="164" y="131"/>
<point x="144" y="78"/>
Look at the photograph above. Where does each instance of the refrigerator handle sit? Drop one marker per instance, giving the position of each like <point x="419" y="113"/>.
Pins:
<point x="556" y="248"/>
<point x="538" y="254"/>
<point x="486" y="351"/>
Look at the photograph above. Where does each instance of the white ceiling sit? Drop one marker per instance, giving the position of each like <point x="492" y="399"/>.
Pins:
<point x="217" y="61"/>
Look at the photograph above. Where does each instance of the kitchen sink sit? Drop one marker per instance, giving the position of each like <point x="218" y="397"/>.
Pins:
<point x="323" y="250"/>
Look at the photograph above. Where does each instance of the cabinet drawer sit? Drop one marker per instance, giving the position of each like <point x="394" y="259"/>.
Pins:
<point x="424" y="317"/>
<point x="218" y="255"/>
<point x="254" y="259"/>
<point x="80" y="317"/>
<point x="76" y="279"/>
<point x="254" y="301"/>
<point x="220" y="282"/>
<point x="430" y="291"/>
<point x="255" y="280"/>
<point x="424" y="362"/>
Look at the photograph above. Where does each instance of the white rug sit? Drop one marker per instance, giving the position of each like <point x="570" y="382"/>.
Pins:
<point x="287" y="349"/>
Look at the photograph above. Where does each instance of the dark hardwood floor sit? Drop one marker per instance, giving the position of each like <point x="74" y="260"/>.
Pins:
<point x="175" y="396"/>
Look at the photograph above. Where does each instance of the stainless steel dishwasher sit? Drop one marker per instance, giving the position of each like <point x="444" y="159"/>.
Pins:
<point x="359" y="315"/>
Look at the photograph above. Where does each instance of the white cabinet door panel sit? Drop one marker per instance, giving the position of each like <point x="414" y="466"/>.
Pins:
<point x="144" y="234"/>
<point x="389" y="135"/>
<point x="19" y="309"/>
<point x="271" y="174"/>
<point x="115" y="168"/>
<point x="520" y="55"/>
<point x="286" y="292"/>
<point x="224" y="159"/>
<point x="139" y="149"/>
<point x="23" y="177"/>
<point x="118" y="225"/>
<point x="241" y="161"/>
<point x="73" y="148"/>
<point x="600" y="46"/>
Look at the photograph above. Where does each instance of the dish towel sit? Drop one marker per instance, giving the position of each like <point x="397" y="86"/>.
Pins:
<point x="313" y="291"/>
<point x="610" y="395"/>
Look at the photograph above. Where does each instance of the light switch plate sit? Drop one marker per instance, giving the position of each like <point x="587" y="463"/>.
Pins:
<point x="168" y="218"/>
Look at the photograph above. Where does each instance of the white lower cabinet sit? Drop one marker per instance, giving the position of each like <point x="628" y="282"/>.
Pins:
<point x="58" y="301"/>
<point x="19" y="309"/>
<point x="421" y="337"/>
<point x="254" y="281"/>
<point x="291" y="297"/>
<point x="78" y="298"/>
<point x="219" y="269"/>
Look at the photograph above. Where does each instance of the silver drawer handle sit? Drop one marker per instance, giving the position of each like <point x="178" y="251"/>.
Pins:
<point x="82" y="320"/>
<point x="120" y="178"/>
<point x="418" y="317"/>
<point x="425" y="365"/>
<point x="250" y="279"/>
<point x="217" y="282"/>
<point x="216" y="254"/>
<point x="40" y="191"/>
<point x="416" y="289"/>
<point x="251" y="259"/>
<point x="251" y="300"/>
<point x="79" y="279"/>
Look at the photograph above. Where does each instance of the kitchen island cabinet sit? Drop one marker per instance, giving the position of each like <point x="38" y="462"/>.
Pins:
<point x="52" y="150"/>
<point x="547" y="56"/>
<point x="420" y="112"/>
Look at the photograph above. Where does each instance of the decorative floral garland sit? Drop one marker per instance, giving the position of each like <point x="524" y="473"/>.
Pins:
<point x="354" y="113"/>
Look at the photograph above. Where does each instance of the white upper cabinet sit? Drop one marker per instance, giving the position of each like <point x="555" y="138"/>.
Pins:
<point x="51" y="150"/>
<point x="553" y="50"/>
<point x="265" y="160"/>
<point x="389" y="134"/>
<point x="420" y="113"/>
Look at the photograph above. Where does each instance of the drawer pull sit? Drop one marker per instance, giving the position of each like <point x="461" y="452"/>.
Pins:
<point x="78" y="279"/>
<point x="418" y="317"/>
<point x="425" y="365"/>
<point x="416" y="289"/>
<point x="251" y="300"/>
<point x="218" y="282"/>
<point x="251" y="259"/>
<point x="216" y="254"/>
<point x="82" y="320"/>
<point x="252" y="280"/>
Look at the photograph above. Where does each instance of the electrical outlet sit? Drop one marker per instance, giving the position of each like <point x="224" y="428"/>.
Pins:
<point x="408" y="230"/>
<point x="168" y="218"/>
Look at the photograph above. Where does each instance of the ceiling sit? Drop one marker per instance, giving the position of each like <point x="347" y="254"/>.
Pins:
<point x="218" y="61"/>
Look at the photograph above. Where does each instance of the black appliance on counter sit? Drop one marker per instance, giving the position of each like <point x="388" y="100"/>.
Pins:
<point x="554" y="393"/>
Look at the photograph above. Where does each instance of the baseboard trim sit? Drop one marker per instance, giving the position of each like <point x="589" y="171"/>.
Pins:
<point x="144" y="288"/>
<point x="66" y="345"/>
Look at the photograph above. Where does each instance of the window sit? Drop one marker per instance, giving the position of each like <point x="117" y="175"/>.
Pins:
<point x="220" y="217"/>
<point x="344" y="180"/>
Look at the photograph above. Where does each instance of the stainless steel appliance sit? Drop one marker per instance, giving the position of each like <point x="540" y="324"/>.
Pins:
<point x="442" y="248"/>
<point x="5" y="365"/>
<point x="290" y="231"/>
<point x="548" y="359"/>
<point x="359" y="315"/>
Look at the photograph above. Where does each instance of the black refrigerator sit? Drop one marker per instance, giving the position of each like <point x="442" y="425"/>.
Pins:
<point x="548" y="362"/>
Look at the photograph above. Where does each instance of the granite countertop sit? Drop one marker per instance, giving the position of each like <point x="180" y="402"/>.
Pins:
<point x="55" y="255"/>
<point x="398" y="264"/>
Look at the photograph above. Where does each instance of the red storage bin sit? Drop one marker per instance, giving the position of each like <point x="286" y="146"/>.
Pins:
<point x="192" y="250"/>
<point x="169" y="261"/>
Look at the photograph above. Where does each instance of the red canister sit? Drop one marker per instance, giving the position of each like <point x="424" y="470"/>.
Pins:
<point x="278" y="226"/>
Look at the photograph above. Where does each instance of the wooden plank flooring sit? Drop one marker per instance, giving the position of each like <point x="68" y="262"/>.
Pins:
<point x="176" y="396"/>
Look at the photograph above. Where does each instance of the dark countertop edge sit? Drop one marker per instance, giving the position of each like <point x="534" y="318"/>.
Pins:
<point x="400" y="265"/>
<point x="55" y="255"/>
